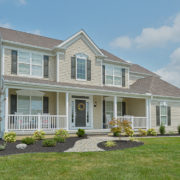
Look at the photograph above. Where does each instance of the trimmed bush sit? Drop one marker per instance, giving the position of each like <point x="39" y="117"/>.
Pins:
<point x="49" y="143"/>
<point x="142" y="132"/>
<point x="39" y="135"/>
<point x="115" y="134"/>
<point x="80" y="132"/>
<point x="10" y="137"/>
<point x="59" y="139"/>
<point x="62" y="133"/>
<point x="28" y="140"/>
<point x="151" y="132"/>
<point x="129" y="131"/>
<point x="162" y="129"/>
<point x="178" y="129"/>
<point x="110" y="144"/>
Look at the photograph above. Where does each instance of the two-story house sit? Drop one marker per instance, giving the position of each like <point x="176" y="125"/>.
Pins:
<point x="50" y="84"/>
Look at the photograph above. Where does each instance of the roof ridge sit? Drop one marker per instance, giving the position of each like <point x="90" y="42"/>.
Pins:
<point x="30" y="33"/>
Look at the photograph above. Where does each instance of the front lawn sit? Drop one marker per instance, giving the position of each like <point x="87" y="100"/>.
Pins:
<point x="159" y="158"/>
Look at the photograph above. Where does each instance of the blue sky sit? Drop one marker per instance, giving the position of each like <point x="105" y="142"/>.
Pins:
<point x="143" y="32"/>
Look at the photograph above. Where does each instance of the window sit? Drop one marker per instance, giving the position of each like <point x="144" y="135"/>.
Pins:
<point x="113" y="75"/>
<point x="29" y="105"/>
<point x="163" y="114"/>
<point x="30" y="64"/>
<point x="81" y="68"/>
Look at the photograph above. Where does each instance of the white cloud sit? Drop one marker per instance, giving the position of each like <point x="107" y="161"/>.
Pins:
<point x="36" y="31"/>
<point x="5" y="25"/>
<point x="22" y="2"/>
<point x="153" y="37"/>
<point x="171" y="72"/>
<point x="121" y="42"/>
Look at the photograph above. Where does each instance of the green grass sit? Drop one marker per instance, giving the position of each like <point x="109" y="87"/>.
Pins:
<point x="159" y="158"/>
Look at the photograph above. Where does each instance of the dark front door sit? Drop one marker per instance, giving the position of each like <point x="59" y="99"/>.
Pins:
<point x="80" y="113"/>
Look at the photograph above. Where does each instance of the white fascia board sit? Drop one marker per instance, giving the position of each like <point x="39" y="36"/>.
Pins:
<point x="143" y="74"/>
<point x="69" y="40"/>
<point x="117" y="62"/>
<point x="27" y="45"/>
<point x="60" y="88"/>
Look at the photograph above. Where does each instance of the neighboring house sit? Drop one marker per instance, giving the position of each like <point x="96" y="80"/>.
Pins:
<point x="50" y="84"/>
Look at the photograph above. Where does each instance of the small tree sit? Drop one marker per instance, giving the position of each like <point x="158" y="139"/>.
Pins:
<point x="162" y="129"/>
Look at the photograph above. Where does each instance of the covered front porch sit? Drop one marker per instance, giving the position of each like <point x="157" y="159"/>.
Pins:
<point x="29" y="110"/>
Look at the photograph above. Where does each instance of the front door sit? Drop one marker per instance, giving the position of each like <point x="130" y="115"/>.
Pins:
<point x="80" y="107"/>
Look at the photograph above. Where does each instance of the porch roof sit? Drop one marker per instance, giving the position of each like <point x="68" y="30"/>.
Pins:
<point x="152" y="85"/>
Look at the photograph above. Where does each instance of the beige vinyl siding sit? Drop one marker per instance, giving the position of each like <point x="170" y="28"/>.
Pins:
<point x="65" y="64"/>
<point x="7" y="65"/>
<point x="175" y="115"/>
<point x="135" y="107"/>
<point x="97" y="112"/>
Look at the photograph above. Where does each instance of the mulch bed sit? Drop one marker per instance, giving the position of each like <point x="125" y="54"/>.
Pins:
<point x="120" y="144"/>
<point x="37" y="147"/>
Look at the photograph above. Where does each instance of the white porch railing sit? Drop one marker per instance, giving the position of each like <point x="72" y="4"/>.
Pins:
<point x="136" y="122"/>
<point x="36" y="122"/>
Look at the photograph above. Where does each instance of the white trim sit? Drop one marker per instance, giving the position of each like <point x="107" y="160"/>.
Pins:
<point x="27" y="45"/>
<point x="148" y="113"/>
<point x="6" y="108"/>
<point x="106" y="60"/>
<point x="70" y="40"/>
<point x="57" y="67"/>
<point x="115" y="107"/>
<point x="67" y="109"/>
<point x="82" y="57"/>
<point x="2" y="64"/>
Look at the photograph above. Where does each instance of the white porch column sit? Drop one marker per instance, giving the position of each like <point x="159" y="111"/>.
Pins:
<point x="148" y="113"/>
<point x="115" y="107"/>
<point x="57" y="103"/>
<point x="6" y="109"/>
<point x="57" y="67"/>
<point x="67" y="110"/>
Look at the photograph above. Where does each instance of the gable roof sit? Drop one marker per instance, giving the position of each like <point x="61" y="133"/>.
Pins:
<point x="45" y="42"/>
<point x="28" y="38"/>
<point x="139" y="69"/>
<point x="155" y="86"/>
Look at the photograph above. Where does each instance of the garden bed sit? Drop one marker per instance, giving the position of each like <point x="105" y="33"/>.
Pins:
<point x="120" y="144"/>
<point x="37" y="147"/>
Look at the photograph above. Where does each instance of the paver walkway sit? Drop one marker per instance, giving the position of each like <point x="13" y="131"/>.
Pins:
<point x="90" y="144"/>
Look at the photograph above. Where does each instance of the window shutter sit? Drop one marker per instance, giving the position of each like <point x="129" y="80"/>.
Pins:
<point x="73" y="67"/>
<point x="104" y="114"/>
<point x="123" y="108"/>
<point x="89" y="70"/>
<point x="157" y="115"/>
<point x="169" y="115"/>
<point x="103" y="73"/>
<point x="13" y="62"/>
<point x="123" y="78"/>
<point x="45" y="105"/>
<point x="13" y="104"/>
<point x="46" y="66"/>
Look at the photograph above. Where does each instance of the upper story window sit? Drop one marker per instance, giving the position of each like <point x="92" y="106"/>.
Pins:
<point x="114" y="75"/>
<point x="29" y="64"/>
<point x="81" y="68"/>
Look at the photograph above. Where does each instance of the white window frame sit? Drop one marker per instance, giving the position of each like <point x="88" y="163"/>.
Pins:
<point x="164" y="105"/>
<point x="82" y="57"/>
<point x="30" y="109"/>
<point x="30" y="54"/>
<point x="113" y="75"/>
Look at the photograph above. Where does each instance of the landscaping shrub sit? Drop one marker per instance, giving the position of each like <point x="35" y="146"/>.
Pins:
<point x="38" y="135"/>
<point x="129" y="131"/>
<point x="10" y="137"/>
<point x="162" y="129"/>
<point x="178" y="129"/>
<point x="119" y="126"/>
<point x="28" y="140"/>
<point x="49" y="143"/>
<point x="142" y="132"/>
<point x="110" y="144"/>
<point x="59" y="139"/>
<point x="80" y="132"/>
<point x="3" y="147"/>
<point x="151" y="132"/>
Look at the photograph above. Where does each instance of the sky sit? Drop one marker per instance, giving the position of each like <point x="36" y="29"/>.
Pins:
<point x="141" y="32"/>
